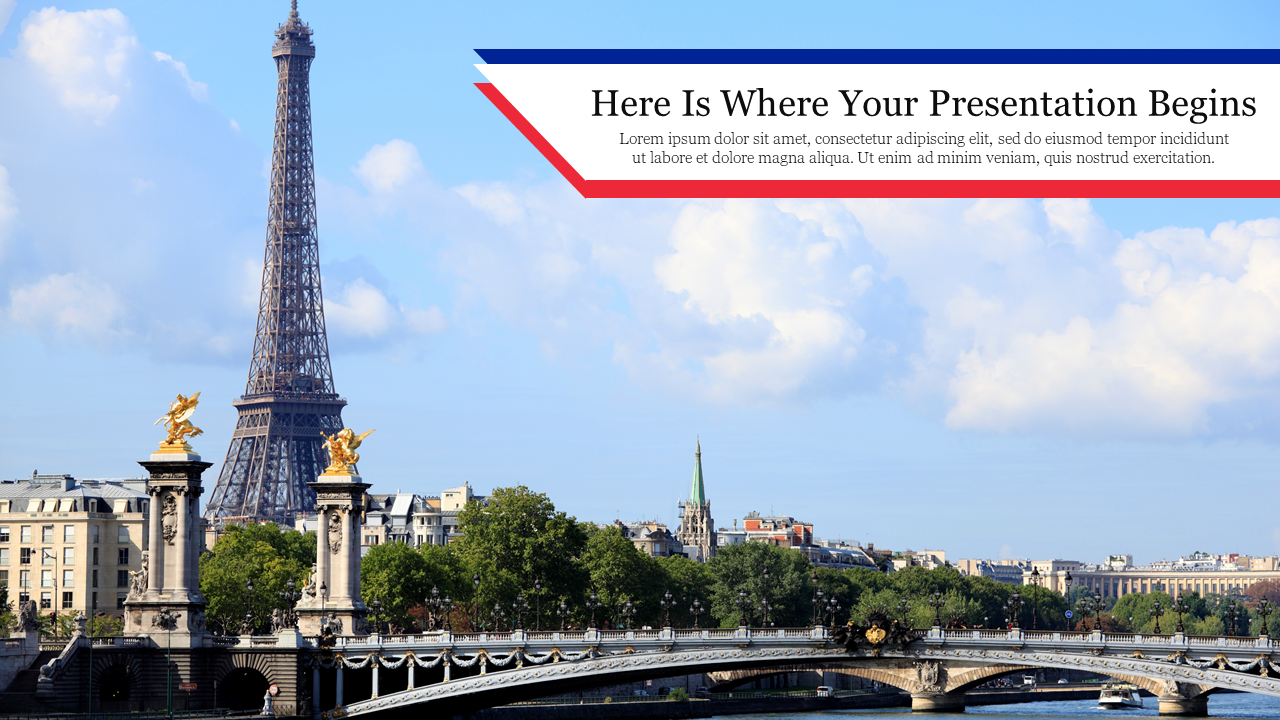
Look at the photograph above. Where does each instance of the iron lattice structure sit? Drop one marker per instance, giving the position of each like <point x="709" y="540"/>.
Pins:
<point x="276" y="448"/>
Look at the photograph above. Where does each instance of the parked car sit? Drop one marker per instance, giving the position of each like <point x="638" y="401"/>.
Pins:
<point x="825" y="691"/>
<point x="640" y="692"/>
<point x="702" y="693"/>
<point x="663" y="691"/>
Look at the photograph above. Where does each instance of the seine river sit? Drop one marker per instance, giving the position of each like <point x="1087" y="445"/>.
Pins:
<point x="1233" y="705"/>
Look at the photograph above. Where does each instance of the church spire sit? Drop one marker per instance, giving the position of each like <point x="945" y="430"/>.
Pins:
<point x="698" y="495"/>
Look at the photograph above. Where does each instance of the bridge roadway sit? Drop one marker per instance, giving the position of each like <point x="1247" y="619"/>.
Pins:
<point x="937" y="669"/>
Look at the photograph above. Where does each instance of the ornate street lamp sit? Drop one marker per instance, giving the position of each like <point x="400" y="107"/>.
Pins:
<point x="289" y="596"/>
<point x="519" y="608"/>
<point x="1035" y="606"/>
<point x="936" y="603"/>
<point x="764" y="599"/>
<point x="743" y="604"/>
<point x="563" y="612"/>
<point x="475" y="604"/>
<point x="446" y="607"/>
<point x="1232" y="614"/>
<point x="628" y="612"/>
<point x="903" y="609"/>
<point x="1098" y="607"/>
<point x="593" y="604"/>
<point x="377" y="615"/>
<point x="1067" y="580"/>
<point x="695" y="609"/>
<point x="248" y="609"/>
<point x="1013" y="606"/>
<point x="667" y="602"/>
<point x="833" y="608"/>
<point x="496" y="616"/>
<point x="537" y="600"/>
<point x="1156" y="612"/>
<point x="817" y="596"/>
<point x="1180" y="608"/>
<point x="1264" y="609"/>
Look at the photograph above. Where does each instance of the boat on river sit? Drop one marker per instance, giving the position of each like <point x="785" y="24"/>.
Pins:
<point x="1119" y="696"/>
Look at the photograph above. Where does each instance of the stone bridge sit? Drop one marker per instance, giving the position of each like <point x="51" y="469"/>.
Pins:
<point x="444" y="673"/>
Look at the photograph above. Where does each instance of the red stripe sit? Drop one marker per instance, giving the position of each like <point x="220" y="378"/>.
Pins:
<point x="877" y="188"/>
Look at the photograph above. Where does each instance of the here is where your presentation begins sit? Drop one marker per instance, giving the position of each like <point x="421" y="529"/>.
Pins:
<point x="941" y="103"/>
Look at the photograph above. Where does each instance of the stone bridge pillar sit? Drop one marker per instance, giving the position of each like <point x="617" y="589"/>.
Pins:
<point x="1184" y="699"/>
<point x="332" y="595"/>
<point x="169" y="581"/>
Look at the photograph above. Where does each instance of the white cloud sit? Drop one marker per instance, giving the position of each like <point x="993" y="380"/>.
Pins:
<point x="198" y="90"/>
<point x="386" y="168"/>
<point x="8" y="211"/>
<point x="84" y="54"/>
<point x="361" y="311"/>
<point x="63" y="306"/>
<point x="6" y="11"/>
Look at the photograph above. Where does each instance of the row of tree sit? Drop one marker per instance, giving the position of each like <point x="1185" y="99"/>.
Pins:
<point x="520" y="560"/>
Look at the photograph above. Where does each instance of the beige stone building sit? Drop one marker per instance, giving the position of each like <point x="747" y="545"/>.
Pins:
<point x="408" y="518"/>
<point x="1206" y="575"/>
<point x="70" y="544"/>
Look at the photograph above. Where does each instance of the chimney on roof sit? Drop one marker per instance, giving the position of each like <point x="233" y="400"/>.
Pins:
<point x="68" y="483"/>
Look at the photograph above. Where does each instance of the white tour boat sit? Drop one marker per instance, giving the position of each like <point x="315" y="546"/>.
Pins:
<point x="1119" y="696"/>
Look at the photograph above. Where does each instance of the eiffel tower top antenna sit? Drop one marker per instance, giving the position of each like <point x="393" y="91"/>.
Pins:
<point x="289" y="398"/>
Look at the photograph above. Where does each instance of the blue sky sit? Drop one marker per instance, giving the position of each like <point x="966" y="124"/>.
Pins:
<point x="1033" y="379"/>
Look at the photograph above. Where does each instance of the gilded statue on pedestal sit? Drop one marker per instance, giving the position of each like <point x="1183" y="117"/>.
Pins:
<point x="177" y="422"/>
<point x="341" y="446"/>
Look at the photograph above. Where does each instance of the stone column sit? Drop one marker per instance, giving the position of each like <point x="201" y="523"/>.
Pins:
<point x="182" y="569"/>
<point x="155" y="558"/>
<point x="173" y="585"/>
<point x="322" y="553"/>
<point x="337" y="686"/>
<point x="315" y="692"/>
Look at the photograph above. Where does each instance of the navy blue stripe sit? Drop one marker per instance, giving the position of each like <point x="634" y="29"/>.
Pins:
<point x="895" y="57"/>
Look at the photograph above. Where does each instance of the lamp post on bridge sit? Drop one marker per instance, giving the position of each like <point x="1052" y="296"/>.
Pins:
<point x="1067" y="596"/>
<point x="764" y="599"/>
<point x="519" y="608"/>
<point x="628" y="612"/>
<point x="475" y="602"/>
<point x="1232" y="614"/>
<point x="167" y="621"/>
<point x="904" y="609"/>
<point x="593" y="604"/>
<point x="1156" y="611"/>
<point x="1264" y="609"/>
<point x="1180" y="608"/>
<point x="668" y="601"/>
<point x="833" y="607"/>
<point x="563" y="612"/>
<point x="817" y="596"/>
<point x="743" y="604"/>
<point x="537" y="600"/>
<point x="1014" y="608"/>
<point x="936" y="603"/>
<point x="695" y="609"/>
<point x="1035" y="606"/>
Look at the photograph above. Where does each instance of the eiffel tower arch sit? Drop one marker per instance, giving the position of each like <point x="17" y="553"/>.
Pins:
<point x="289" y="399"/>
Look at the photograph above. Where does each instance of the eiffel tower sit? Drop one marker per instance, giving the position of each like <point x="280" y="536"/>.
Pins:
<point x="276" y="448"/>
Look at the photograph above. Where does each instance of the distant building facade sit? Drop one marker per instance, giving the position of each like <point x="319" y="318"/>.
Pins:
<point x="409" y="518"/>
<point x="70" y="544"/>
<point x="1005" y="571"/>
<point x="696" y="533"/>
<point x="1200" y="573"/>
<point x="838" y="555"/>
<point x="651" y="538"/>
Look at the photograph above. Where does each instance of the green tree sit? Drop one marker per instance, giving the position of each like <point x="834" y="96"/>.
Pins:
<point x="267" y="555"/>
<point x="619" y="573"/>
<point x="740" y="568"/>
<point x="514" y="538"/>
<point x="686" y="580"/>
<point x="398" y="577"/>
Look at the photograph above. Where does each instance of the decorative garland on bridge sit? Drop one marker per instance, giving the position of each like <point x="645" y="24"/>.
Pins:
<point x="518" y="656"/>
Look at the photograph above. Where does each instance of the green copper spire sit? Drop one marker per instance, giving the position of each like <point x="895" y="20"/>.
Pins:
<point x="698" y="496"/>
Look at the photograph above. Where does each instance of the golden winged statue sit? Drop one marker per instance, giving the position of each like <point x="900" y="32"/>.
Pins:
<point x="178" y="422"/>
<point x="341" y="446"/>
